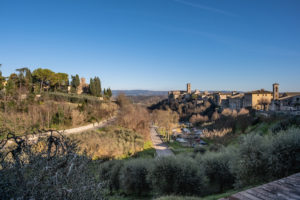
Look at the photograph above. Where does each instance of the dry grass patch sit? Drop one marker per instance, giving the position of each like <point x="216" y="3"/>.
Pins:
<point x="109" y="142"/>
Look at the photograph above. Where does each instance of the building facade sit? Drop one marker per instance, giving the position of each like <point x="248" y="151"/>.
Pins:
<point x="259" y="99"/>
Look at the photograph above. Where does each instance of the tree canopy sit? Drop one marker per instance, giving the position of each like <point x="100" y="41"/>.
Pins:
<point x="43" y="76"/>
<point x="95" y="86"/>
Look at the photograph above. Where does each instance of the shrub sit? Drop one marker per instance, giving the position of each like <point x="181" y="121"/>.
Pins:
<point x="286" y="124"/>
<point x="217" y="169"/>
<point x="284" y="153"/>
<point x="30" y="170"/>
<point x="133" y="177"/>
<point x="177" y="175"/>
<point x="199" y="149"/>
<point x="109" y="173"/>
<point x="251" y="163"/>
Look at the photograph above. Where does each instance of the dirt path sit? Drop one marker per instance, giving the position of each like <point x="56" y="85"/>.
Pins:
<point x="160" y="147"/>
<point x="88" y="127"/>
<point x="67" y="132"/>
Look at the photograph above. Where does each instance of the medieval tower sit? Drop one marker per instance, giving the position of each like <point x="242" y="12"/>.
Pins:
<point x="275" y="91"/>
<point x="188" y="88"/>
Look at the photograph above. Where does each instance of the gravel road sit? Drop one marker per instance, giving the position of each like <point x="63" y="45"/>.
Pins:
<point x="160" y="147"/>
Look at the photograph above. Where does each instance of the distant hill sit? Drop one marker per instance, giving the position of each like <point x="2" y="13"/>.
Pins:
<point x="140" y="92"/>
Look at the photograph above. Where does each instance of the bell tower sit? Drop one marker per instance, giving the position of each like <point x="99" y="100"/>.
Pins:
<point x="275" y="91"/>
<point x="188" y="88"/>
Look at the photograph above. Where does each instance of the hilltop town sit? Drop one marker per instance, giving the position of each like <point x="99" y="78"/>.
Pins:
<point x="288" y="102"/>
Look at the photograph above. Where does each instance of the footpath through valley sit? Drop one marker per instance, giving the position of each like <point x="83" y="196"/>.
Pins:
<point x="160" y="147"/>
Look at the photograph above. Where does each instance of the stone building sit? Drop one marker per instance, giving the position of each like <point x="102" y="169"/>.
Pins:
<point x="177" y="93"/>
<point x="288" y="101"/>
<point x="188" y="88"/>
<point x="275" y="91"/>
<point x="236" y="101"/>
<point x="220" y="98"/>
<point x="83" y="86"/>
<point x="258" y="99"/>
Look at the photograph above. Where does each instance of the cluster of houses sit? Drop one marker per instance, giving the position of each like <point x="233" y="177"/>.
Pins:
<point x="258" y="99"/>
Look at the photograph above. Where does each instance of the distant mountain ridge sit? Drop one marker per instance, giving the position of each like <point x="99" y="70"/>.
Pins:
<point x="140" y="92"/>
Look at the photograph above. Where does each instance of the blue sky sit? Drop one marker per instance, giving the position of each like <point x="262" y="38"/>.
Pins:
<point x="157" y="44"/>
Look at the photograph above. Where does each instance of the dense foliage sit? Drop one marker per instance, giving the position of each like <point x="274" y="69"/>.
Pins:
<point x="52" y="111"/>
<point x="255" y="160"/>
<point x="44" y="80"/>
<point x="95" y="86"/>
<point x="43" y="99"/>
<point x="46" y="169"/>
<point x="187" y="107"/>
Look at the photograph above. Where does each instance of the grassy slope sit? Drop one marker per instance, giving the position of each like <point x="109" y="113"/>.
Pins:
<point x="113" y="142"/>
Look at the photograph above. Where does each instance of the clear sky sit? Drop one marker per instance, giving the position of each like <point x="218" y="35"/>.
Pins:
<point x="157" y="44"/>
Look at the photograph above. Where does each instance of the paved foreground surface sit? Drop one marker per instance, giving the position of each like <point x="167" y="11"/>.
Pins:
<point x="160" y="147"/>
<point x="282" y="189"/>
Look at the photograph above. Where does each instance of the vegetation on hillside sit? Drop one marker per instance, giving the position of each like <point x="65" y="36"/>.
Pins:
<point x="41" y="100"/>
<point x="256" y="159"/>
<point x="244" y="149"/>
<point x="50" y="112"/>
<point x="47" y="169"/>
<point x="109" y="142"/>
<point x="133" y="116"/>
<point x="44" y="80"/>
<point x="268" y="149"/>
<point x="187" y="107"/>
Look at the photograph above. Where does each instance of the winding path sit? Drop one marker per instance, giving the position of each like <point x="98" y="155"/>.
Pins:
<point x="160" y="147"/>
<point x="67" y="132"/>
<point x="88" y="127"/>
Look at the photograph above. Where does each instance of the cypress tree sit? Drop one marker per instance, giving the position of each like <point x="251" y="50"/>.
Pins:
<point x="92" y="87"/>
<point x="75" y="81"/>
<point x="1" y="79"/>
<point x="109" y="92"/>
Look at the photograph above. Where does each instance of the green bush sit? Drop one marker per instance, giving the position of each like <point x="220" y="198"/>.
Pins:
<point x="256" y="159"/>
<point x="177" y="175"/>
<point x="251" y="164"/>
<point x="217" y="169"/>
<point x="133" y="177"/>
<point x="109" y="174"/>
<point x="200" y="149"/>
<point x="284" y="153"/>
<point x="286" y="124"/>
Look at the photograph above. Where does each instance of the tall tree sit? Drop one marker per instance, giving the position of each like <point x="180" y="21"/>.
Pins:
<point x="98" y="86"/>
<point x="43" y="76"/>
<point x="25" y="78"/>
<point x="63" y="79"/>
<point x="92" y="87"/>
<point x="95" y="86"/>
<point x="109" y="92"/>
<point x="12" y="84"/>
<point x="75" y="82"/>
